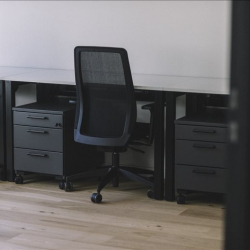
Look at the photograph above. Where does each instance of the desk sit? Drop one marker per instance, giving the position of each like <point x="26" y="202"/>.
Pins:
<point x="5" y="72"/>
<point x="165" y="88"/>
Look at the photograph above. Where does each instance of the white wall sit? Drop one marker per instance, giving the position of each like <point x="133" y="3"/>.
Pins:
<point x="162" y="37"/>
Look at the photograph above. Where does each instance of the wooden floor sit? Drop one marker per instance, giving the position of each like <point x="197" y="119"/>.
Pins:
<point x="38" y="215"/>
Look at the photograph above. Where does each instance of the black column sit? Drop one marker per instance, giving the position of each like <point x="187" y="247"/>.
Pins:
<point x="46" y="92"/>
<point x="10" y="89"/>
<point x="2" y="132"/>
<point x="170" y="147"/>
<point x="159" y="146"/>
<point x="191" y="104"/>
<point x="238" y="202"/>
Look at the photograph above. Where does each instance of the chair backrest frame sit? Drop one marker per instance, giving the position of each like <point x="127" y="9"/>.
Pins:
<point x="130" y="119"/>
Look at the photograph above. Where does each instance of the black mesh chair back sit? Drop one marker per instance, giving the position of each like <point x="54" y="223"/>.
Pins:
<point x="106" y="106"/>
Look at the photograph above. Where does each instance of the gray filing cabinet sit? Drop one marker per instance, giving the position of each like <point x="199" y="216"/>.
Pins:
<point x="200" y="149"/>
<point x="44" y="142"/>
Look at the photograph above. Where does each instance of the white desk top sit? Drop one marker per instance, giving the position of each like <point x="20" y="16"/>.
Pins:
<point x="11" y="71"/>
<point x="219" y="86"/>
<point x="52" y="76"/>
<point x="141" y="81"/>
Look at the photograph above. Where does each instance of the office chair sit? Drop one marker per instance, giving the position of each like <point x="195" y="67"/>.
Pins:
<point x="106" y="110"/>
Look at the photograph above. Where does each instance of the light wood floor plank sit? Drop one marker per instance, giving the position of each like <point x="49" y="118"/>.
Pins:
<point x="38" y="215"/>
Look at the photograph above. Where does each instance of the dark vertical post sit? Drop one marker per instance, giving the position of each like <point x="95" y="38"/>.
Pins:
<point x="195" y="104"/>
<point x="46" y="92"/>
<point x="10" y="89"/>
<point x="238" y="202"/>
<point x="191" y="104"/>
<point x="2" y="132"/>
<point x="170" y="147"/>
<point x="159" y="146"/>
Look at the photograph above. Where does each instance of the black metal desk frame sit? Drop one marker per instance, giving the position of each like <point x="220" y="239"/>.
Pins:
<point x="2" y="132"/>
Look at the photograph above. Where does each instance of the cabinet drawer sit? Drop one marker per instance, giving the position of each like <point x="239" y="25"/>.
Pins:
<point x="38" y="161"/>
<point x="200" y="179"/>
<point x="210" y="154"/>
<point x="38" y="119"/>
<point x="38" y="138"/>
<point x="201" y="133"/>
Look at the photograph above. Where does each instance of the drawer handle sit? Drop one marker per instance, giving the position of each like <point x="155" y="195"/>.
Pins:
<point x="37" y="117"/>
<point x="204" y="146"/>
<point x="208" y="131"/>
<point x="203" y="172"/>
<point x="37" y="131"/>
<point x="38" y="155"/>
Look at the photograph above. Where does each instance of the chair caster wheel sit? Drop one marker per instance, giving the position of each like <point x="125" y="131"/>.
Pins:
<point x="96" y="198"/>
<point x="68" y="186"/>
<point x="62" y="184"/>
<point x="151" y="194"/>
<point x="19" y="179"/>
<point x="180" y="199"/>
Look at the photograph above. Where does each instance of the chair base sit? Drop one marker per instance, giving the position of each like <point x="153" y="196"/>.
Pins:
<point x="111" y="174"/>
<point x="131" y="173"/>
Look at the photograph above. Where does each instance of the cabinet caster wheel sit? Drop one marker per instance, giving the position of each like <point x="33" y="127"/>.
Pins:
<point x="96" y="198"/>
<point x="68" y="186"/>
<point x="62" y="184"/>
<point x="19" y="179"/>
<point x="180" y="199"/>
<point x="151" y="194"/>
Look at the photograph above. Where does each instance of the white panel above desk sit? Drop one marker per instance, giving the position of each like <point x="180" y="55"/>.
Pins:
<point x="161" y="37"/>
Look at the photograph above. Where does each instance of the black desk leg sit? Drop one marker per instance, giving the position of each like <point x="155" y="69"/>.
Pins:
<point x="2" y="132"/>
<point x="191" y="104"/>
<point x="159" y="146"/>
<point x="170" y="147"/>
<point x="10" y="89"/>
<point x="195" y="103"/>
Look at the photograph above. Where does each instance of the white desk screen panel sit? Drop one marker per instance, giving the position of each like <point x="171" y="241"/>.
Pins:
<point x="189" y="38"/>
